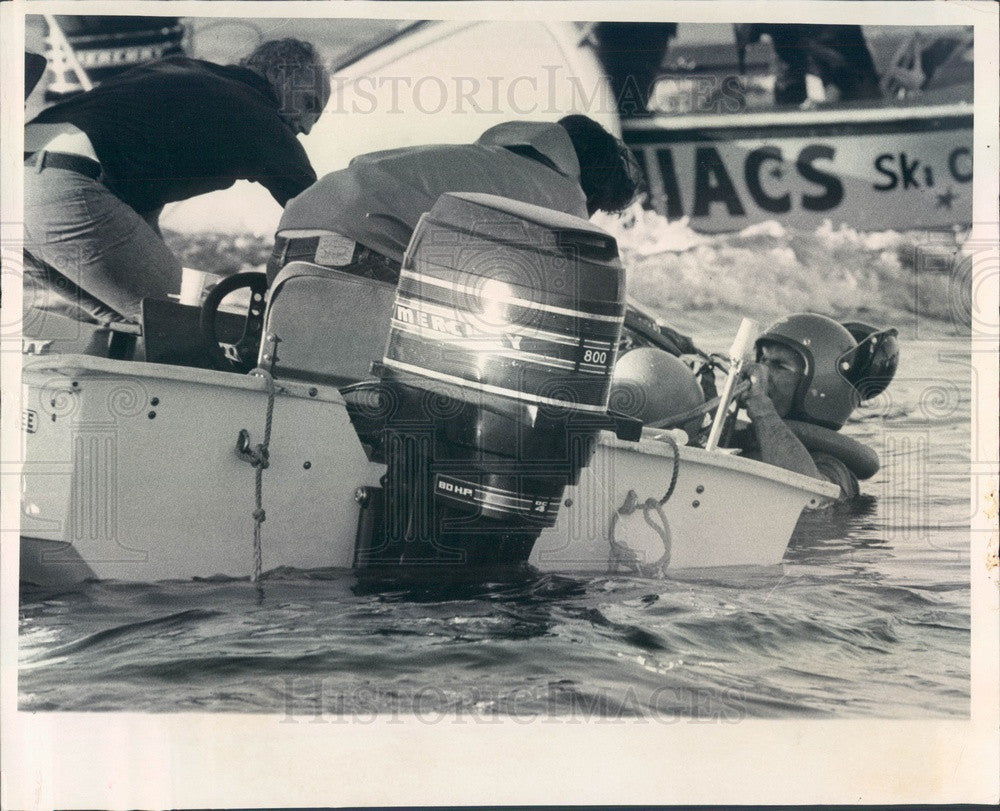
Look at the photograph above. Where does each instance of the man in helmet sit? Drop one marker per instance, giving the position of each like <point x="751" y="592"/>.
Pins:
<point x="810" y="374"/>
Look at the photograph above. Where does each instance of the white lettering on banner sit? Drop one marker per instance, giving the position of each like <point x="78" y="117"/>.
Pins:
<point x="120" y="56"/>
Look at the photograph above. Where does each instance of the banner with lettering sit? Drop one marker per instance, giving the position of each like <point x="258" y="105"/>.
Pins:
<point x="874" y="169"/>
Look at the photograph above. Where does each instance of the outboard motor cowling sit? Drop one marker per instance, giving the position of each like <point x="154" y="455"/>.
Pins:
<point x="494" y="382"/>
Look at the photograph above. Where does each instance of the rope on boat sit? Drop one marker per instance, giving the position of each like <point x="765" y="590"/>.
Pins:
<point x="622" y="554"/>
<point x="260" y="459"/>
<point x="685" y="416"/>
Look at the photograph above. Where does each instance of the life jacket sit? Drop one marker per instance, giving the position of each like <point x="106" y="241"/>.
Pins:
<point x="857" y="457"/>
<point x="861" y="460"/>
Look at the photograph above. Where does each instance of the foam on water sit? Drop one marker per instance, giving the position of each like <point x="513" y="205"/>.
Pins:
<point x="767" y="270"/>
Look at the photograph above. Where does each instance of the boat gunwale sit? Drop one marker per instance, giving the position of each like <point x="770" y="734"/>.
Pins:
<point x="70" y="364"/>
<point x="771" y="119"/>
<point x="727" y="461"/>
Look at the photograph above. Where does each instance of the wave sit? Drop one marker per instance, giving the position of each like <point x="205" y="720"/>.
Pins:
<point x="134" y="632"/>
<point x="768" y="270"/>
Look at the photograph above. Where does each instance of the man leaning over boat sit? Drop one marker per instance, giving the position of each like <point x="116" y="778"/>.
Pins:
<point x="360" y="219"/>
<point x="103" y="165"/>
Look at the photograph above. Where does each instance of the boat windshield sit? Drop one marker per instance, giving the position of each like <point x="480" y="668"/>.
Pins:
<point x="361" y="37"/>
<point x="340" y="42"/>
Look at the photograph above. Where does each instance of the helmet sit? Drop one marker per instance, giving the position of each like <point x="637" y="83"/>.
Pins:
<point x="652" y="385"/>
<point x="875" y="361"/>
<point x="825" y="396"/>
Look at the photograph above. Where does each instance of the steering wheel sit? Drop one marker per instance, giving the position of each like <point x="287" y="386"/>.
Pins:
<point x="243" y="357"/>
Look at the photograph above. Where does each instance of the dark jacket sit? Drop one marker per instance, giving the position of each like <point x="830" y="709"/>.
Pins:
<point x="180" y="127"/>
<point x="830" y="467"/>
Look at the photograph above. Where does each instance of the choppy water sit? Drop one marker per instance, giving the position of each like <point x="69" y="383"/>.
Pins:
<point x="868" y="616"/>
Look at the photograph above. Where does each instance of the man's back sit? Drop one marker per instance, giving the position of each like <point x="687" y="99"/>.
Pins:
<point x="181" y="127"/>
<point x="379" y="198"/>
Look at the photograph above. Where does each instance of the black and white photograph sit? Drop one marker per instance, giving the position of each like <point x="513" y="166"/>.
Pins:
<point x="463" y="403"/>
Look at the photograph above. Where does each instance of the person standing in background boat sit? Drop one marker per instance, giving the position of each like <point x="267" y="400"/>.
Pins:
<point x="360" y="219"/>
<point x="929" y="62"/>
<point x="109" y="159"/>
<point x="632" y="55"/>
<point x="837" y="54"/>
<point x="810" y="374"/>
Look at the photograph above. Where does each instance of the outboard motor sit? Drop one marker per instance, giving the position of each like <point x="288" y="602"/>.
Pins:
<point x="494" y="382"/>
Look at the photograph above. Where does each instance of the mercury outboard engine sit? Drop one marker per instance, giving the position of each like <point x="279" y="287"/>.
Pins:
<point x="493" y="386"/>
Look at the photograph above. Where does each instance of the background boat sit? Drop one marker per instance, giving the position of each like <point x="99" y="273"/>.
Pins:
<point x="718" y="151"/>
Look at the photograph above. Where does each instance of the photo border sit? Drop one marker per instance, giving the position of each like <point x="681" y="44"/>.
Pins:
<point x="120" y="760"/>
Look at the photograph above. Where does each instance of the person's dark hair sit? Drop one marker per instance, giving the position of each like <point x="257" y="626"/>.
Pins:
<point x="289" y="64"/>
<point x="609" y="173"/>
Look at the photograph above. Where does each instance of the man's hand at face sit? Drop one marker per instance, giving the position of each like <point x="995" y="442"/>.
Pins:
<point x="755" y="400"/>
<point x="778" y="445"/>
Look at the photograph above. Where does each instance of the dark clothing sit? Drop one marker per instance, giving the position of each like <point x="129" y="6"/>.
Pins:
<point x="832" y="469"/>
<point x="632" y="55"/>
<point x="378" y="199"/>
<point x="34" y="67"/>
<point x="180" y="127"/>
<point x="836" y="53"/>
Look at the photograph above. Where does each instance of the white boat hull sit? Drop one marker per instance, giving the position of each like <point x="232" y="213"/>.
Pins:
<point x="712" y="514"/>
<point x="131" y="473"/>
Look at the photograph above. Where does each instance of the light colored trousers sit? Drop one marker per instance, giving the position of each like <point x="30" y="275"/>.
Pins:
<point x="88" y="255"/>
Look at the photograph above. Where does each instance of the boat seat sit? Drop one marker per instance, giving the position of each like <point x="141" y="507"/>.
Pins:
<point x="53" y="333"/>
<point x="329" y="325"/>
<point x="172" y="332"/>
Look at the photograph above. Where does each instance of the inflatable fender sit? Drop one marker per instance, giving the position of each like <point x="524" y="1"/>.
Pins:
<point x="861" y="460"/>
